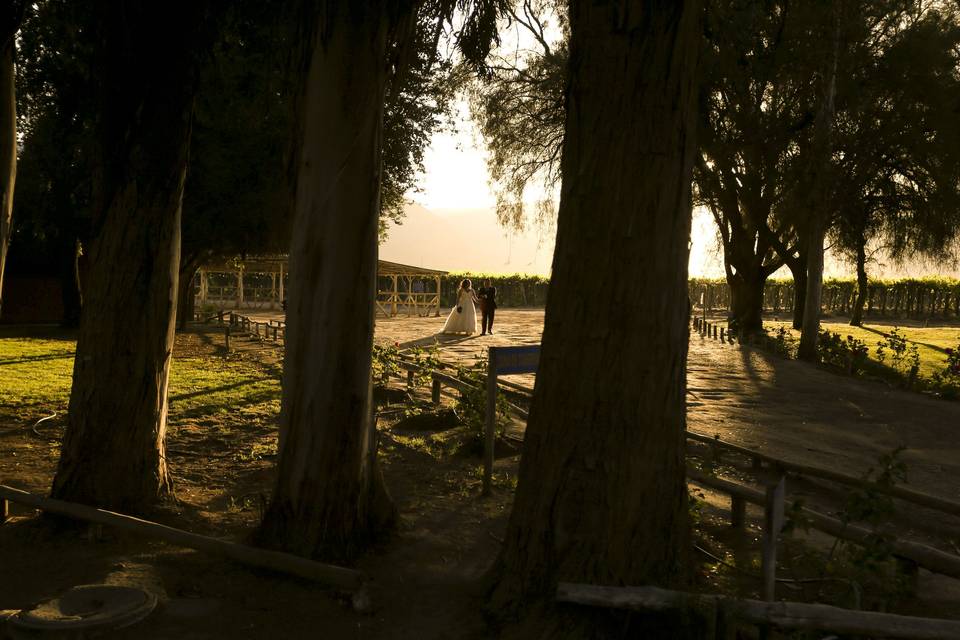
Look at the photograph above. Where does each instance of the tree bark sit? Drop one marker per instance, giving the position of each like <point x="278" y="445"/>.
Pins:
<point x="811" y="309"/>
<point x="799" y="296"/>
<point x="8" y="147"/>
<point x="819" y="214"/>
<point x="856" y="318"/>
<point x="113" y="448"/>
<point x="746" y="300"/>
<point x="330" y="501"/>
<point x="601" y="495"/>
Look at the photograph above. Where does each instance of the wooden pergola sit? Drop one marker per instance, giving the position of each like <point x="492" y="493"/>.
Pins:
<point x="407" y="289"/>
<point x="259" y="282"/>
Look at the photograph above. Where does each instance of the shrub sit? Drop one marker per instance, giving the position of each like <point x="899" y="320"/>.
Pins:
<point x="947" y="380"/>
<point x="904" y="355"/>
<point x="848" y="354"/>
<point x="471" y="407"/>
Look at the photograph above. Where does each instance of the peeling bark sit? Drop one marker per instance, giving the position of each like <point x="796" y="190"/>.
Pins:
<point x="601" y="495"/>
<point x="113" y="449"/>
<point x="330" y="501"/>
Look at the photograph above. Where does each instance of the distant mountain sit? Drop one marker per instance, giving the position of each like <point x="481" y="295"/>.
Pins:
<point x="465" y="240"/>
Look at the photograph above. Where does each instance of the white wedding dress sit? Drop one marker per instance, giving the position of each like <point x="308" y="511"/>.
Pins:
<point x="466" y="320"/>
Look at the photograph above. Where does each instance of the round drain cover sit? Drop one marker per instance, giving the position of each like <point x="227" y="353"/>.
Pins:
<point x="92" y="606"/>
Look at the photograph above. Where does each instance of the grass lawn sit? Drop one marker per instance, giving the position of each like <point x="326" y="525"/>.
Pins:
<point x="36" y="373"/>
<point x="932" y="342"/>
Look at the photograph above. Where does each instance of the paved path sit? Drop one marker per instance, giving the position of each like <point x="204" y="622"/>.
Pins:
<point x="784" y="408"/>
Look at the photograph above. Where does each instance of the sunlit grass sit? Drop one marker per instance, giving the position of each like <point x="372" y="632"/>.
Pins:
<point x="35" y="371"/>
<point x="38" y="372"/>
<point x="931" y="342"/>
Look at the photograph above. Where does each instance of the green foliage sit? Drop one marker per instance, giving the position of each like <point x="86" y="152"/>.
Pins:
<point x="904" y="355"/>
<point x="385" y="362"/>
<point x="523" y="92"/>
<point x="471" y="406"/>
<point x="784" y="344"/>
<point x="947" y="379"/>
<point x="870" y="507"/>
<point x="848" y="354"/>
<point x="516" y="290"/>
<point x="426" y="360"/>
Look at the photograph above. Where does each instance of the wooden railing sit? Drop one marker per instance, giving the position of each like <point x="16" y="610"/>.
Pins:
<point x="234" y="323"/>
<point x="721" y="613"/>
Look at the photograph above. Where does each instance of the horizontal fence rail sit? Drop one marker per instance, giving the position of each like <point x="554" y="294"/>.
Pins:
<point x="785" y="615"/>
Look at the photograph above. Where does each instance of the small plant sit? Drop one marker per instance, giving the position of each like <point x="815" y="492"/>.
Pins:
<point x="871" y="560"/>
<point x="695" y="501"/>
<point x="848" y="354"/>
<point x="783" y="342"/>
<point x="426" y="360"/>
<point x="472" y="405"/>
<point x="947" y="379"/>
<point x="385" y="362"/>
<point x="904" y="355"/>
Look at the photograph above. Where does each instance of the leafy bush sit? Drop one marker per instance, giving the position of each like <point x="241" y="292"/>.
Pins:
<point x="848" y="354"/>
<point x="947" y="380"/>
<point x="904" y="355"/>
<point x="784" y="342"/>
<point x="385" y="363"/>
<point x="471" y="407"/>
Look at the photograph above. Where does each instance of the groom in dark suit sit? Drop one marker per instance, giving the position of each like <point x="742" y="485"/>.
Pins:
<point x="488" y="306"/>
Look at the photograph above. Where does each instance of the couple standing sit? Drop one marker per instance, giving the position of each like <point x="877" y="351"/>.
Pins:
<point x="463" y="316"/>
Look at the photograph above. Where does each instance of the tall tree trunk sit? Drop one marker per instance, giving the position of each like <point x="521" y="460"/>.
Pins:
<point x="329" y="500"/>
<point x="856" y="318"/>
<point x="113" y="449"/>
<point x="812" y="303"/>
<point x="799" y="296"/>
<point x="601" y="495"/>
<point x="819" y="190"/>
<point x="746" y="300"/>
<point x="8" y="144"/>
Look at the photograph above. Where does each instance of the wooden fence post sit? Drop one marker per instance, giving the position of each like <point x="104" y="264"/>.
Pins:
<point x="738" y="512"/>
<point x="491" y="422"/>
<point x="226" y="337"/>
<point x="435" y="391"/>
<point x="772" y="523"/>
<point x="410" y="378"/>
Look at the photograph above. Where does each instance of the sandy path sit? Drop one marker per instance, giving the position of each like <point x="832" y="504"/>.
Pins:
<point x="785" y="408"/>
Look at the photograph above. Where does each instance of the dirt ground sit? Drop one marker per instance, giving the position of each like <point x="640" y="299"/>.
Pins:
<point x="425" y="579"/>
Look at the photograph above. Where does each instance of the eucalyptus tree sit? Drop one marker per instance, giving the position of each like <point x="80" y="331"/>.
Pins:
<point x="236" y="197"/>
<point x="351" y="58"/>
<point x="144" y="74"/>
<point x="11" y="15"/>
<point x="601" y="496"/>
<point x="518" y="103"/>
<point x="897" y="159"/>
<point x="55" y="117"/>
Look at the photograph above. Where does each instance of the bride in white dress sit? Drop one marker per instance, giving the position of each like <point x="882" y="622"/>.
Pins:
<point x="463" y="316"/>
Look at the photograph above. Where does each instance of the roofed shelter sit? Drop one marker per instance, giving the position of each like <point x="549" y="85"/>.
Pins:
<point x="259" y="282"/>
